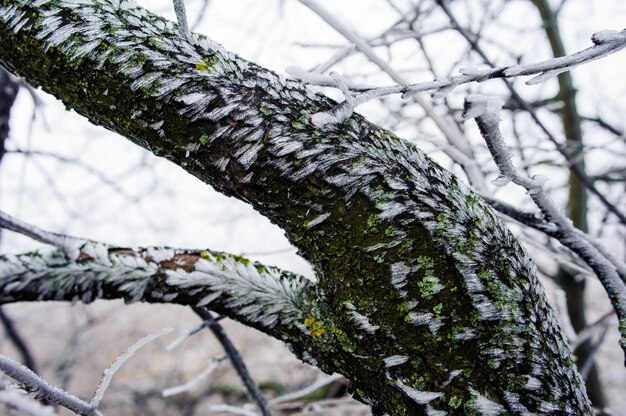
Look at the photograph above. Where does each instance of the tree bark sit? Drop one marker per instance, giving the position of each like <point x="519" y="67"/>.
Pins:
<point x="424" y="299"/>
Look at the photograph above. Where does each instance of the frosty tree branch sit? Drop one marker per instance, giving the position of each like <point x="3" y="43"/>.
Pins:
<point x="486" y="111"/>
<point x="605" y="43"/>
<point x="33" y="383"/>
<point x="424" y="299"/>
<point x="70" y="245"/>
<point x="267" y="296"/>
<point x="573" y="164"/>
<point x="18" y="401"/>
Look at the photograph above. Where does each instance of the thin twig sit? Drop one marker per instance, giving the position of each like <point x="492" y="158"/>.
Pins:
<point x="35" y="384"/>
<point x="235" y="359"/>
<point x="117" y="364"/>
<point x="486" y="112"/>
<point x="544" y="71"/>
<point x="18" y="341"/>
<point x="181" y="17"/>
<point x="225" y="408"/>
<point x="184" y="337"/>
<point x="211" y="367"/>
<point x="70" y="245"/>
<point x="307" y="390"/>
<point x="605" y="43"/>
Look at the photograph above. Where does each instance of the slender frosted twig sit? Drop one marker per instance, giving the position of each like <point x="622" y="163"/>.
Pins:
<point x="211" y="367"/>
<point x="307" y="390"/>
<point x="185" y="336"/>
<point x="23" y="404"/>
<point x="607" y="37"/>
<point x="619" y="265"/>
<point x="235" y="359"/>
<point x="181" y="17"/>
<point x="550" y="229"/>
<point x="225" y="408"/>
<point x="487" y="114"/>
<point x="35" y="384"/>
<point x="605" y="43"/>
<point x="526" y="218"/>
<point x="70" y="245"/>
<point x="117" y="364"/>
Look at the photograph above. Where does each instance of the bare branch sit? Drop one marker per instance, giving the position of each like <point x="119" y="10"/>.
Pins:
<point x="181" y="17"/>
<point x="213" y="365"/>
<point x="235" y="359"/>
<point x="307" y="390"/>
<point x="34" y="383"/>
<point x="70" y="245"/>
<point x="17" y="400"/>
<point x="575" y="167"/>
<point x="117" y="364"/>
<point x="605" y="43"/>
<point x="262" y="296"/>
<point x="487" y="116"/>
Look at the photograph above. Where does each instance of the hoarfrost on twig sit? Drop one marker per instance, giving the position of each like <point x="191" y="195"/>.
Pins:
<point x="117" y="364"/>
<point x="211" y="367"/>
<point x="605" y="43"/>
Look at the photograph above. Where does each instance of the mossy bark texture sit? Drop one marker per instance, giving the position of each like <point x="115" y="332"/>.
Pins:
<point x="424" y="300"/>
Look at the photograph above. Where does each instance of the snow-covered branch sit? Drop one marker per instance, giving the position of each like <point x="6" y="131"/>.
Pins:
<point x="605" y="43"/>
<point x="254" y="293"/>
<point x="18" y="400"/>
<point x="70" y="245"/>
<point x="409" y="260"/>
<point x="35" y="384"/>
<point x="108" y="374"/>
<point x="486" y="111"/>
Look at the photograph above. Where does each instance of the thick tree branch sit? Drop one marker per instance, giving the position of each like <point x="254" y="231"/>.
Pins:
<point x="424" y="300"/>
<point x="260" y="296"/>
